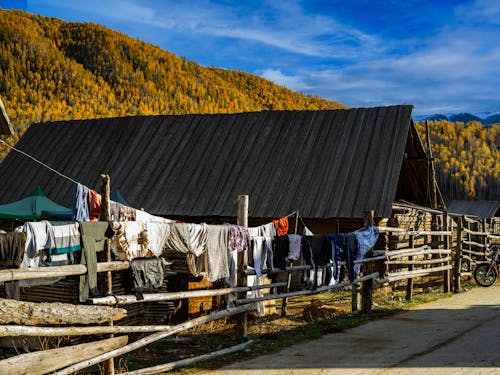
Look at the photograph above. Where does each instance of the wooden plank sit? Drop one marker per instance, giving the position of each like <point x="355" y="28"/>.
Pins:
<point x="58" y="271"/>
<point x="321" y="289"/>
<point x="401" y="231"/>
<point x="416" y="273"/>
<point x="47" y="361"/>
<point x="173" y="296"/>
<point x="41" y="272"/>
<point x="476" y="244"/>
<point x="417" y="262"/>
<point x="408" y="252"/>
<point x="474" y="233"/>
<point x="21" y="330"/>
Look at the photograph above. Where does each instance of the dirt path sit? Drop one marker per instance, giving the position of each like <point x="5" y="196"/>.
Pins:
<point x="459" y="335"/>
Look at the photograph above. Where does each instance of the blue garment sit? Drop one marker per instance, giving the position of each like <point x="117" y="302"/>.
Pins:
<point x="337" y="241"/>
<point x="366" y="239"/>
<point x="80" y="204"/>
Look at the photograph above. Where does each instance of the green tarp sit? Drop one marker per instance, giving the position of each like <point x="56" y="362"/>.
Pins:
<point x="33" y="207"/>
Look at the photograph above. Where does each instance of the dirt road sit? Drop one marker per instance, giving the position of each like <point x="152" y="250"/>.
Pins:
<point x="456" y="335"/>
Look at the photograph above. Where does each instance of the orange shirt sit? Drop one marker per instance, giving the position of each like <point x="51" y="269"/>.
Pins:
<point x="94" y="200"/>
<point x="281" y="225"/>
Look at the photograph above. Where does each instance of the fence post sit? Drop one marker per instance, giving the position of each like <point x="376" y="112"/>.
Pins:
<point x="367" y="288"/>
<point x="484" y="239"/>
<point x="409" y="286"/>
<point x="241" y="280"/>
<point x="458" y="257"/>
<point x="446" y="274"/>
<point x="288" y="275"/>
<point x="109" y="365"/>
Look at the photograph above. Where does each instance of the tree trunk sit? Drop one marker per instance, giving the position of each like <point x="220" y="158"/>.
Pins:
<point x="30" y="313"/>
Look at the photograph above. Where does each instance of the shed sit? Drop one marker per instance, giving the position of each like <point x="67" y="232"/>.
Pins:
<point x="489" y="211"/>
<point x="480" y="209"/>
<point x="327" y="163"/>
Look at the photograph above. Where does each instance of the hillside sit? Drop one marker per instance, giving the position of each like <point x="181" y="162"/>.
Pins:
<point x="55" y="70"/>
<point x="466" y="157"/>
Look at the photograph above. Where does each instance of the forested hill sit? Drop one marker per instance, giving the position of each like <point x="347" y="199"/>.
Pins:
<point x="53" y="70"/>
<point x="467" y="158"/>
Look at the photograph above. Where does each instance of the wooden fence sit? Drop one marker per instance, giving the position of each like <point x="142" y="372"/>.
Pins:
<point x="402" y="255"/>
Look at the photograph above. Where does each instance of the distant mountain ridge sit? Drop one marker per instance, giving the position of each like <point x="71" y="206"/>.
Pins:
<point x="485" y="118"/>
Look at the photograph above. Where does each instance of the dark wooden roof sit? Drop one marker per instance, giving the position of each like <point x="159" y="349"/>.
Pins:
<point x="329" y="163"/>
<point x="481" y="209"/>
<point x="5" y="128"/>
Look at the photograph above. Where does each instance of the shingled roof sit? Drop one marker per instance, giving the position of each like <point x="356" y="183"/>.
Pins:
<point x="481" y="209"/>
<point x="329" y="163"/>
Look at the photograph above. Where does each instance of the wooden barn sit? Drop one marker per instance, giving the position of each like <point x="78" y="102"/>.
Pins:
<point x="330" y="165"/>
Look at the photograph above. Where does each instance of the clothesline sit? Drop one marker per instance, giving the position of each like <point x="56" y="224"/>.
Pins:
<point x="39" y="162"/>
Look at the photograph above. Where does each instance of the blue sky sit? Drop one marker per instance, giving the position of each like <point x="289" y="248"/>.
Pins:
<point x="441" y="56"/>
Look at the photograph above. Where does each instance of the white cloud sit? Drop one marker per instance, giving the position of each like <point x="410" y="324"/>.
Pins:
<point x="290" y="81"/>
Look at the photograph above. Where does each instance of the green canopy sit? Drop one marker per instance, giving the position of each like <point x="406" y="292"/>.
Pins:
<point x="31" y="207"/>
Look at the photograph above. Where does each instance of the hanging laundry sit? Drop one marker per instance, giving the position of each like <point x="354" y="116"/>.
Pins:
<point x="81" y="204"/>
<point x="337" y="241"/>
<point x="281" y="225"/>
<point x="120" y="212"/>
<point x="239" y="238"/>
<point x="66" y="243"/>
<point x="217" y="252"/>
<point x="257" y="254"/>
<point x="94" y="202"/>
<point x="307" y="232"/>
<point x="145" y="217"/>
<point x="147" y="274"/>
<point x="268" y="231"/>
<point x="190" y="239"/>
<point x="93" y="237"/>
<point x="281" y="249"/>
<point x="12" y="247"/>
<point x="157" y="236"/>
<point x="317" y="252"/>
<point x="366" y="239"/>
<point x="258" y="293"/>
<point x="130" y="240"/>
<point x="39" y="236"/>
<point x="295" y="250"/>
<point x="350" y="254"/>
